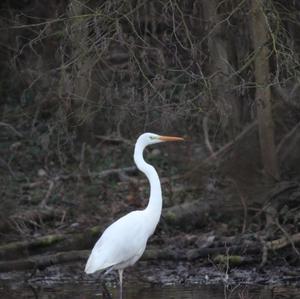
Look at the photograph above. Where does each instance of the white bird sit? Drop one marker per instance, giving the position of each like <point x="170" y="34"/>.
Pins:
<point x="124" y="241"/>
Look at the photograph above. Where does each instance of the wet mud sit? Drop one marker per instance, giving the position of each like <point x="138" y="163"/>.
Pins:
<point x="163" y="279"/>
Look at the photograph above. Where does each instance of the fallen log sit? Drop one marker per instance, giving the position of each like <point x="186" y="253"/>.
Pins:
<point x="44" y="261"/>
<point x="188" y="214"/>
<point x="235" y="260"/>
<point x="27" y="247"/>
<point x="197" y="213"/>
<point x="233" y="255"/>
<point x="283" y="242"/>
<point x="241" y="250"/>
<point x="54" y="242"/>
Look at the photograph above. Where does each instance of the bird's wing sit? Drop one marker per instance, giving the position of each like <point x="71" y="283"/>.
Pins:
<point x="122" y="241"/>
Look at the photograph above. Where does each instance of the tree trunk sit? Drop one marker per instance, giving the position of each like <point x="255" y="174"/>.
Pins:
<point x="220" y="69"/>
<point x="76" y="88"/>
<point x="263" y="93"/>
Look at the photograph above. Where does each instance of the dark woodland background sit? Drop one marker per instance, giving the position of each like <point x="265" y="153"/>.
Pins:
<point x="80" y="80"/>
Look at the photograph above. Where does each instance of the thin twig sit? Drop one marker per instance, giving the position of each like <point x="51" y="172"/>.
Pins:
<point x="3" y="124"/>
<point x="286" y="137"/>
<point x="48" y="194"/>
<point x="291" y="239"/>
<point x="206" y="136"/>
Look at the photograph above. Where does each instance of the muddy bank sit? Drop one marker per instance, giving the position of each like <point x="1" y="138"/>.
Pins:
<point x="161" y="273"/>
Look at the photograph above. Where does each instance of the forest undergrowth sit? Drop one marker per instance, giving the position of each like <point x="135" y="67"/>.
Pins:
<point x="80" y="80"/>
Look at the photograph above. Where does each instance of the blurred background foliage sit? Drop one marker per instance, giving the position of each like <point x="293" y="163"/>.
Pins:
<point x="80" y="80"/>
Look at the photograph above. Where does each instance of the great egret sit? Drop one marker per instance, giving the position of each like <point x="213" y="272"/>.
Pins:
<point x="124" y="241"/>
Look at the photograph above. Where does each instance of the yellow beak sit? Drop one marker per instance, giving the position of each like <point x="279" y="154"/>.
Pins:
<point x="170" y="138"/>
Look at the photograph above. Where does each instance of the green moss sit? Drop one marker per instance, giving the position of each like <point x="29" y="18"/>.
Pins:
<point x="95" y="231"/>
<point x="232" y="260"/>
<point x="48" y="240"/>
<point x="170" y="217"/>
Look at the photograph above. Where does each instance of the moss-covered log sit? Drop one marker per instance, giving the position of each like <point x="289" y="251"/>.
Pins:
<point x="228" y="254"/>
<point x="55" y="242"/>
<point x="43" y="261"/>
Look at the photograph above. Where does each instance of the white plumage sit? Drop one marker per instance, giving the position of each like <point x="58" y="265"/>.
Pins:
<point x="121" y="244"/>
<point x="124" y="241"/>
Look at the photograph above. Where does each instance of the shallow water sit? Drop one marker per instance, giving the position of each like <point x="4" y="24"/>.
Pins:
<point x="78" y="291"/>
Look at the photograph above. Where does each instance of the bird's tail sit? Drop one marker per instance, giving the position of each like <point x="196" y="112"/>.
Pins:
<point x="96" y="263"/>
<point x="90" y="265"/>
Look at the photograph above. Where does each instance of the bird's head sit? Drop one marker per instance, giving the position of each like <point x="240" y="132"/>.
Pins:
<point x="151" y="138"/>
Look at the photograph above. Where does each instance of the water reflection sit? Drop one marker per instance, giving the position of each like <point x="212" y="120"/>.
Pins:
<point x="172" y="292"/>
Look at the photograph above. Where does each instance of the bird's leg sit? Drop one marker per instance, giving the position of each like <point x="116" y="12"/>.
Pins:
<point x="121" y="282"/>
<point x="108" y="271"/>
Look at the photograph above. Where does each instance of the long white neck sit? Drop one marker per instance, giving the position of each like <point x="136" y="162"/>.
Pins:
<point x="155" y="201"/>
